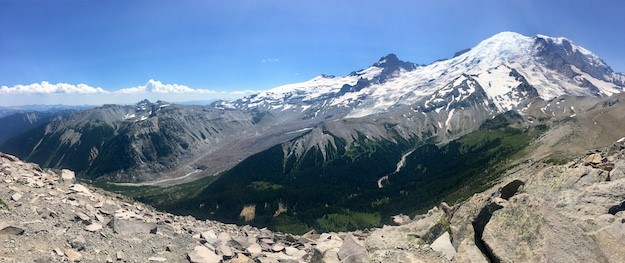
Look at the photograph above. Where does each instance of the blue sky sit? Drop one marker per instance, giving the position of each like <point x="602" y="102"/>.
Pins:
<point x="231" y="48"/>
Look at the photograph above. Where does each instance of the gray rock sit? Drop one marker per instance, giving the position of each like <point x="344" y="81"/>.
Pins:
<point x="294" y="252"/>
<point x="79" y="188"/>
<point x="131" y="226"/>
<point x="94" y="227"/>
<point x="224" y="237"/>
<point x="327" y="248"/>
<point x="82" y="217"/>
<point x="277" y="247"/>
<point x="226" y="251"/>
<point x="73" y="255"/>
<point x="468" y="252"/>
<point x="594" y="158"/>
<point x="210" y="246"/>
<point x="16" y="196"/>
<point x="619" y="170"/>
<point x="401" y="219"/>
<point x="254" y="249"/>
<point x="202" y="254"/>
<point x="78" y="243"/>
<point x="352" y="250"/>
<point x="443" y="245"/>
<point x="11" y="230"/>
<point x="68" y="176"/>
<point x="238" y="243"/>
<point x="208" y="235"/>
<point x="44" y="259"/>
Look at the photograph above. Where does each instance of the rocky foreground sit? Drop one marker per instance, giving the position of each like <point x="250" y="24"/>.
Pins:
<point x="539" y="213"/>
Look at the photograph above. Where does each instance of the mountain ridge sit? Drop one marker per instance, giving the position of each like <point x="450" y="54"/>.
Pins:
<point x="390" y="100"/>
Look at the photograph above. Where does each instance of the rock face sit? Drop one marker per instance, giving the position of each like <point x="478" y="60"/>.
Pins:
<point x="537" y="213"/>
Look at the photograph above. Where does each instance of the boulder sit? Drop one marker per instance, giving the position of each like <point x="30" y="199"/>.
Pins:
<point x="401" y="219"/>
<point x="327" y="248"/>
<point x="226" y="251"/>
<point x="224" y="237"/>
<point x="131" y="226"/>
<point x="443" y="245"/>
<point x="68" y="176"/>
<point x="618" y="172"/>
<point x="16" y="196"/>
<point x="8" y="230"/>
<point x="594" y="158"/>
<point x="254" y="249"/>
<point x="94" y="227"/>
<point x="209" y="234"/>
<point x="80" y="216"/>
<point x="352" y="250"/>
<point x="277" y="247"/>
<point x="468" y="252"/>
<point x="79" y="188"/>
<point x="202" y="254"/>
<point x="73" y="255"/>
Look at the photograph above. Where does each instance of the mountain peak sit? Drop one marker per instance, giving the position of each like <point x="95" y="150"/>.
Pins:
<point x="390" y="58"/>
<point x="144" y="101"/>
<point x="392" y="63"/>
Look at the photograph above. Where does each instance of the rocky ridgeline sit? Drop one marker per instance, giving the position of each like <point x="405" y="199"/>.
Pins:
<point x="538" y="213"/>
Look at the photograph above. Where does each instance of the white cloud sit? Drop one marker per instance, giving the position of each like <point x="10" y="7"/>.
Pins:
<point x="47" y="88"/>
<point x="133" y="90"/>
<point x="81" y="94"/>
<point x="270" y="60"/>
<point x="155" y="86"/>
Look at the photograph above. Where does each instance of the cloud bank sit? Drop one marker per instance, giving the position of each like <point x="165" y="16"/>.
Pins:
<point x="82" y="94"/>
<point x="47" y="88"/>
<point x="156" y="86"/>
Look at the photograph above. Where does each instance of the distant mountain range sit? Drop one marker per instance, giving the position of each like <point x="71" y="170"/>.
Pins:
<point x="373" y="140"/>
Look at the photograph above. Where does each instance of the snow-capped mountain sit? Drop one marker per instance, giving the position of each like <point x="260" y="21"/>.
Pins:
<point x="392" y="102"/>
<point x="508" y="67"/>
